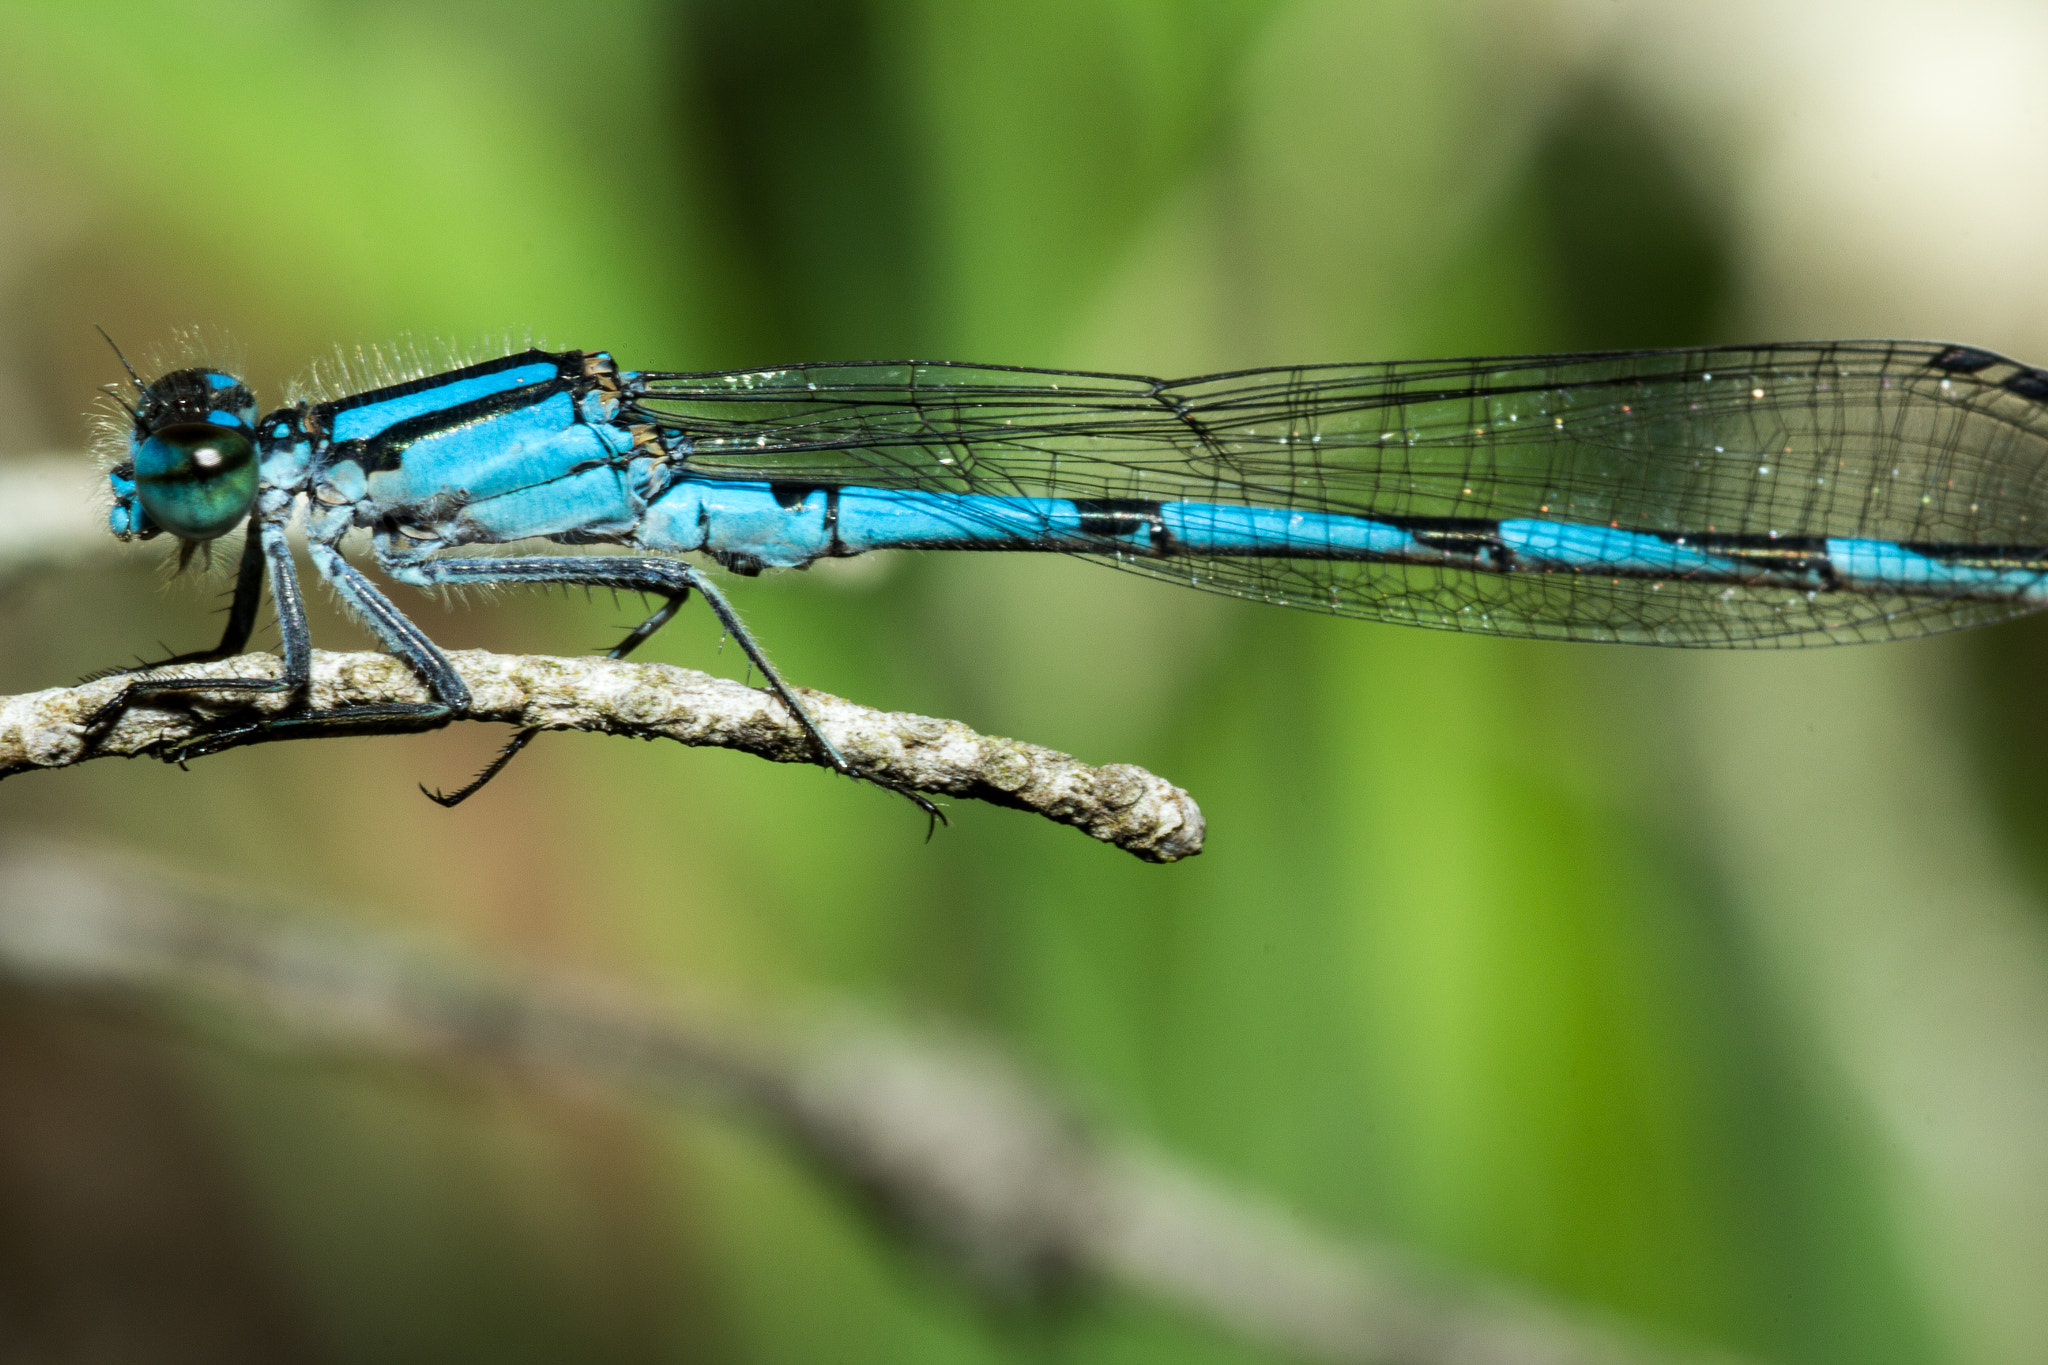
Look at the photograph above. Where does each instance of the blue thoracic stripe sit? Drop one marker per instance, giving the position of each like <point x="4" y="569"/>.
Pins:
<point x="360" y="420"/>
<point x="518" y="451"/>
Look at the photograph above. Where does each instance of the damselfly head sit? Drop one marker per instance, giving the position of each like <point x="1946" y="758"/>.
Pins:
<point x="192" y="466"/>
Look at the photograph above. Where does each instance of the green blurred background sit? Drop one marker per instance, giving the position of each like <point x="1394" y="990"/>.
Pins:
<point x="1708" y="989"/>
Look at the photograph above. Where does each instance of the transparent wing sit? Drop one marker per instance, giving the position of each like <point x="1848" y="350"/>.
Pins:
<point x="1913" y="442"/>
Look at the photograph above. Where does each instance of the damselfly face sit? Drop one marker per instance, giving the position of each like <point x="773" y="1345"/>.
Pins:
<point x="192" y="467"/>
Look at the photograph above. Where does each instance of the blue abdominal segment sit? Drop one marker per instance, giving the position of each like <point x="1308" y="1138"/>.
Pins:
<point x="2018" y="574"/>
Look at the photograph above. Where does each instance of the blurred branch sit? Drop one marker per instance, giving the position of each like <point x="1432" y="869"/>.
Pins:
<point x="1118" y="804"/>
<point x="962" y="1153"/>
<point x="48" y="514"/>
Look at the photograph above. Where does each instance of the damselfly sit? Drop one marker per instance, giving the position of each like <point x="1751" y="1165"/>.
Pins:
<point x="1767" y="495"/>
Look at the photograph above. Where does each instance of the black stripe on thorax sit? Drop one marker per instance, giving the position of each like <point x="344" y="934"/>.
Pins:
<point x="568" y="364"/>
<point x="386" y="450"/>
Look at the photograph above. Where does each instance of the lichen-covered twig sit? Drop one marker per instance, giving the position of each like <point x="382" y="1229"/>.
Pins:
<point x="1118" y="804"/>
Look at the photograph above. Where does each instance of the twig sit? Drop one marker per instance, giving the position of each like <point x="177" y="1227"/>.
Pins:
<point x="961" y="1151"/>
<point x="1119" y="804"/>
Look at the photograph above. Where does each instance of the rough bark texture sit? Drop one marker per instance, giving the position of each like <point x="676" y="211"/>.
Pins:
<point x="1118" y="804"/>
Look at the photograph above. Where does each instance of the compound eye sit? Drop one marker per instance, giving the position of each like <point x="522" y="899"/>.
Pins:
<point x="196" y="480"/>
